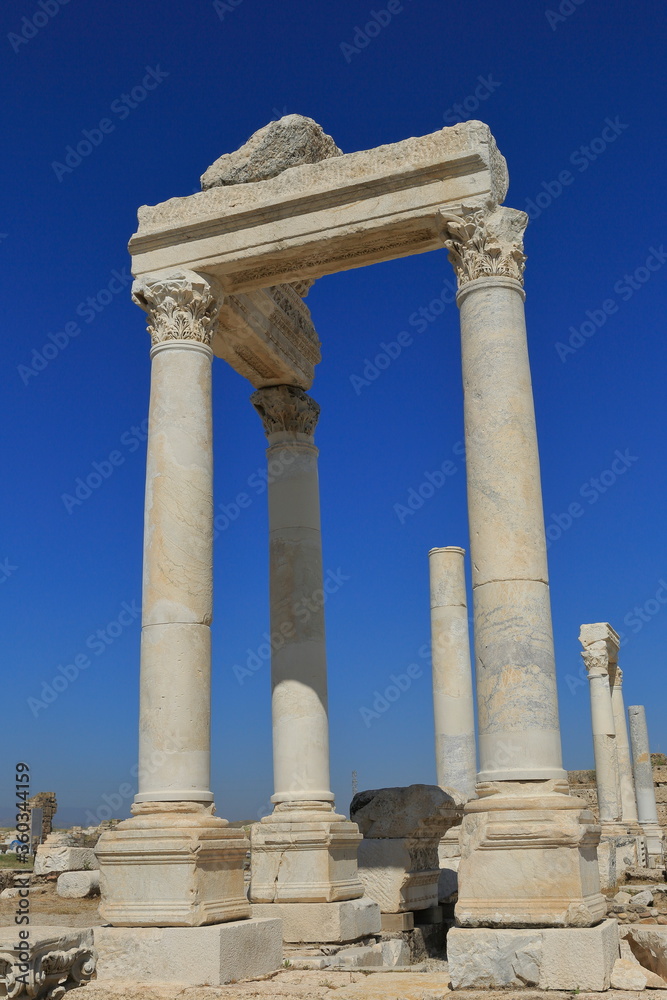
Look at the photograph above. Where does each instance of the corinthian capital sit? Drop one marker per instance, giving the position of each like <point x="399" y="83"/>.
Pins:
<point x="483" y="244"/>
<point x="596" y="660"/>
<point x="286" y="408"/>
<point x="180" y="306"/>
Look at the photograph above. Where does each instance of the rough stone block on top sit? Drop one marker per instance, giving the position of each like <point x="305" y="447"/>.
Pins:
<point x="415" y="811"/>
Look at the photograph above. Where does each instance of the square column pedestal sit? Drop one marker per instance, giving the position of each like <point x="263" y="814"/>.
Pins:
<point x="304" y="869"/>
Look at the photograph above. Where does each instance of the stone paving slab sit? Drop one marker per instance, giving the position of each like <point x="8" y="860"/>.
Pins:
<point x="331" y="985"/>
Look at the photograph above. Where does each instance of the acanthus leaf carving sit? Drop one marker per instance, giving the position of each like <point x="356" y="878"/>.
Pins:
<point x="486" y="244"/>
<point x="181" y="306"/>
<point x="286" y="408"/>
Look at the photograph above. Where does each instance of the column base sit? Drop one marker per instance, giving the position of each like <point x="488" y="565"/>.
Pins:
<point x="172" y="865"/>
<point x="618" y="850"/>
<point x="551" y="958"/>
<point x="528" y="858"/>
<point x="191" y="956"/>
<point x="655" y="844"/>
<point x="324" y="923"/>
<point x="304" y="853"/>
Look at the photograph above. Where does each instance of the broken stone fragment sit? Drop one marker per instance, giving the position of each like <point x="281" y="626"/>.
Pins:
<point x="288" y="142"/>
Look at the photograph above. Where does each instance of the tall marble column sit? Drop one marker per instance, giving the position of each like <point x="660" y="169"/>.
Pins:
<point x="643" y="770"/>
<point x="625" y="775"/>
<point x="174" y="863"/>
<point x="528" y="847"/>
<point x="600" y="642"/>
<point x="453" y="705"/>
<point x="304" y="851"/>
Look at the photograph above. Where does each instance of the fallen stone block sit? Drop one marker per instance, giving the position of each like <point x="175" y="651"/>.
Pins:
<point x="194" y="956"/>
<point x="57" y="858"/>
<point x="398" y="921"/>
<point x="78" y="885"/>
<point x="648" y="945"/>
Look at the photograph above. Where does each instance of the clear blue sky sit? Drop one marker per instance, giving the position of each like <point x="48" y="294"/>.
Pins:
<point x="219" y="72"/>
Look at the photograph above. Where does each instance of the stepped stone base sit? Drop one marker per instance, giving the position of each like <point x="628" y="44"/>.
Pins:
<point x="549" y="958"/>
<point x="324" y="923"/>
<point x="193" y="956"/>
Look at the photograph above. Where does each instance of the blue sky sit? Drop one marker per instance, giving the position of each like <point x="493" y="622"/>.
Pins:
<point x="575" y="97"/>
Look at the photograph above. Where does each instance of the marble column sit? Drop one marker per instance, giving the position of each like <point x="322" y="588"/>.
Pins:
<point x="453" y="705"/>
<point x="643" y="770"/>
<point x="174" y="863"/>
<point x="625" y="775"/>
<point x="304" y="851"/>
<point x="600" y="642"/>
<point x="528" y="847"/>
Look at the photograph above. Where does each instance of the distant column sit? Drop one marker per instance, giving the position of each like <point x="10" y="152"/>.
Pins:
<point x="646" y="804"/>
<point x="625" y="775"/>
<point x="453" y="706"/>
<point x="599" y="642"/>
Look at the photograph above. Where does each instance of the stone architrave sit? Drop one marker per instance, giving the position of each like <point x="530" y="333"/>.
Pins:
<point x="528" y="847"/>
<point x="175" y="863"/>
<point x="453" y="705"/>
<point x="303" y="852"/>
<point x="643" y="770"/>
<point x="398" y="857"/>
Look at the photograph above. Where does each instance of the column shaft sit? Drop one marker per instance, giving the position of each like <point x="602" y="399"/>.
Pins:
<point x="625" y="775"/>
<point x="174" y="726"/>
<point x="643" y="769"/>
<point x="453" y="706"/>
<point x="519" y="735"/>
<point x="298" y="664"/>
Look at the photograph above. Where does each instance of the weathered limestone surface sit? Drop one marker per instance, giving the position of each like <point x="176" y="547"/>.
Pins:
<point x="648" y="945"/>
<point x="400" y="874"/>
<point x="453" y="705"/>
<point x="192" y="956"/>
<point x="322" y="923"/>
<point x="78" y="885"/>
<point x="53" y="858"/>
<point x="174" y="863"/>
<point x="288" y="142"/>
<point x="601" y="646"/>
<point x="548" y="958"/>
<point x="342" y="212"/>
<point x="528" y="848"/>
<point x="643" y="771"/>
<point x="53" y="960"/>
<point x="415" y="811"/>
<point x="304" y="851"/>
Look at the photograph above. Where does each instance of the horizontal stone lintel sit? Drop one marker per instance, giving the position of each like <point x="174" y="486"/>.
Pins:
<point x="319" y="218"/>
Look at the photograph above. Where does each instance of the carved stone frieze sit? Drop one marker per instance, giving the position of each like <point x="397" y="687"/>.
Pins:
<point x="484" y="244"/>
<point x="180" y="306"/>
<point x="46" y="965"/>
<point x="286" y="408"/>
